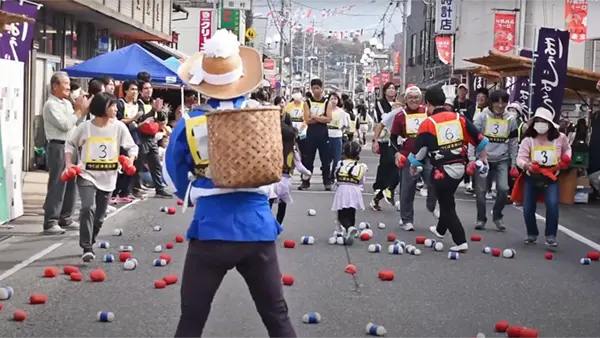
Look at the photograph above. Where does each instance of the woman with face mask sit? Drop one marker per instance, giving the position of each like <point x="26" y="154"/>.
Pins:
<point x="543" y="152"/>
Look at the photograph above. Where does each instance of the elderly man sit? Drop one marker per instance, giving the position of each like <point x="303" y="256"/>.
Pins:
<point x="60" y="118"/>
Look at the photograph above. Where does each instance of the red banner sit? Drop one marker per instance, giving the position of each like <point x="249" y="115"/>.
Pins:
<point x="397" y="65"/>
<point x="576" y="15"/>
<point x="385" y="77"/>
<point x="505" y="29"/>
<point x="205" y="28"/>
<point x="444" y="48"/>
<point x="376" y="81"/>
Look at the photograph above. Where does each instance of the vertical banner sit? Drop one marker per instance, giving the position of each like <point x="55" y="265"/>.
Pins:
<point x="205" y="32"/>
<point x="504" y="32"/>
<point x="444" y="48"/>
<point x="376" y="81"/>
<point x="576" y="13"/>
<point x="230" y="20"/>
<point x="445" y="16"/>
<point x="397" y="65"/>
<point x="520" y="89"/>
<point x="550" y="70"/>
<point x="16" y="42"/>
<point x="476" y="83"/>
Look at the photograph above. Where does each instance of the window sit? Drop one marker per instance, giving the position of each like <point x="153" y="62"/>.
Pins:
<point x="422" y="41"/>
<point x="413" y="45"/>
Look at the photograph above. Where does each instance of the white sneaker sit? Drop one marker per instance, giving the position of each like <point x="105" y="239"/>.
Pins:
<point x="433" y="230"/>
<point x="460" y="248"/>
<point x="408" y="227"/>
<point x="110" y="209"/>
<point x="54" y="230"/>
<point x="423" y="192"/>
<point x="88" y="257"/>
<point x="436" y="213"/>
<point x="71" y="226"/>
<point x="400" y="223"/>
<point x="489" y="196"/>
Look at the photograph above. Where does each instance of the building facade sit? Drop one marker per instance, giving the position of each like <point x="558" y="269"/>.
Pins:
<point x="68" y="32"/>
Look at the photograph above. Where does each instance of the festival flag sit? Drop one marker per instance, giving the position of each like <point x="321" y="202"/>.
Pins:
<point x="444" y="48"/>
<point x="550" y="70"/>
<point x="576" y="12"/>
<point x="505" y="31"/>
<point x="520" y="89"/>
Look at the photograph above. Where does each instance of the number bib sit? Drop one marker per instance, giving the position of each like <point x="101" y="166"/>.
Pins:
<point x="413" y="122"/>
<point x="131" y="110"/>
<point x="335" y="120"/>
<point x="102" y="153"/>
<point x="350" y="172"/>
<point x="496" y="130"/>
<point x="544" y="155"/>
<point x="197" y="137"/>
<point x="317" y="108"/>
<point x="449" y="134"/>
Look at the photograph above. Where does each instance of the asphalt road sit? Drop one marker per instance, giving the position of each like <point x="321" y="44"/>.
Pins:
<point x="431" y="296"/>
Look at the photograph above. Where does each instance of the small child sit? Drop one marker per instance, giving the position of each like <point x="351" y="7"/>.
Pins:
<point x="350" y="175"/>
<point x="281" y="191"/>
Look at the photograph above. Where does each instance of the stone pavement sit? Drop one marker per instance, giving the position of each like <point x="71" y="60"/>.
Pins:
<point x="34" y="193"/>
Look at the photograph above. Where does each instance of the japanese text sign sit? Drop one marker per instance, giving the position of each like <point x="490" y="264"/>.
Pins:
<point x="576" y="13"/>
<point x="230" y="20"/>
<point x="520" y="89"/>
<point x="15" y="42"/>
<point x="205" y="32"/>
<point x="504" y="32"/>
<point x="445" y="16"/>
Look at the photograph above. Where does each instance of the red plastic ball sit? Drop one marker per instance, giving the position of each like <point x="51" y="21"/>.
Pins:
<point x="287" y="280"/>
<point x="502" y="326"/>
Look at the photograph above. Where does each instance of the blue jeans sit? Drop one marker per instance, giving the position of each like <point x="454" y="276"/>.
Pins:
<point x="530" y="197"/>
<point x="335" y="148"/>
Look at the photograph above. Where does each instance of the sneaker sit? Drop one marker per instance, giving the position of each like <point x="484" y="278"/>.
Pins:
<point x="388" y="196"/>
<point x="423" y="192"/>
<point x="531" y="240"/>
<point x="400" y="222"/>
<point x="71" y="226"/>
<point x="110" y="209"/>
<point x="54" y="230"/>
<point x="162" y="194"/>
<point x="500" y="225"/>
<point x="551" y="241"/>
<point x="375" y="205"/>
<point x="469" y="188"/>
<point x="460" y="248"/>
<point x="304" y="186"/>
<point x="408" y="227"/>
<point x="351" y="235"/>
<point x="140" y="194"/>
<point x="434" y="231"/>
<point x="489" y="196"/>
<point x="420" y="185"/>
<point x="436" y="213"/>
<point x="327" y="187"/>
<point x="480" y="225"/>
<point x="124" y="200"/>
<point x="88" y="256"/>
<point x="113" y="201"/>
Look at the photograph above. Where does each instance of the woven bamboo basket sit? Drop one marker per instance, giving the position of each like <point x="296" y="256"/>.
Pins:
<point x="245" y="147"/>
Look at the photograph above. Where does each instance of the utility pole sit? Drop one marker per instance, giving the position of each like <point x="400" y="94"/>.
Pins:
<point x="353" y="84"/>
<point x="292" y="35"/>
<point x="303" y="51"/>
<point x="404" y="45"/>
<point x="281" y="46"/>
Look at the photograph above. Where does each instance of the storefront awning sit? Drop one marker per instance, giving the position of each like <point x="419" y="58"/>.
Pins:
<point x="502" y="65"/>
<point x="162" y="51"/>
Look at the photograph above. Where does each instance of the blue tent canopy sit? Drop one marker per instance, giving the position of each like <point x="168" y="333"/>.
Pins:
<point x="125" y="64"/>
<point x="172" y="63"/>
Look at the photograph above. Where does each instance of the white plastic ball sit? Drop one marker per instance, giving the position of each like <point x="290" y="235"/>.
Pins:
<point x="125" y="248"/>
<point x="333" y="240"/>
<point x="438" y="246"/>
<point x="487" y="250"/>
<point x="362" y="225"/>
<point x="340" y="240"/>
<point x="104" y="245"/>
<point x="401" y="243"/>
<point x="429" y="242"/>
<point x="374" y="248"/>
<point x="130" y="264"/>
<point x="312" y="212"/>
<point x="480" y="335"/>
<point x="381" y="225"/>
<point x="118" y="232"/>
<point x="417" y="252"/>
<point x="375" y="330"/>
<point x="158" y="248"/>
<point x="307" y="240"/>
<point x="157" y="228"/>
<point x="395" y="249"/>
<point x="508" y="253"/>
<point x="6" y="292"/>
<point x="369" y="231"/>
<point x="104" y="316"/>
<point x="311" y="318"/>
<point x="453" y="255"/>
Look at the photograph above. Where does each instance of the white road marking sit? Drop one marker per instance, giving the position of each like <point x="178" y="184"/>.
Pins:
<point x="569" y="232"/>
<point x="39" y="255"/>
<point x="29" y="260"/>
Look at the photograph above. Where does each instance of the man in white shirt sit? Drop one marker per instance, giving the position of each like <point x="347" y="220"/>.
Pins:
<point x="60" y="120"/>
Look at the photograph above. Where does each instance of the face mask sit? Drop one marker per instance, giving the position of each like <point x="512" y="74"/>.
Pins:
<point x="297" y="96"/>
<point x="541" y="127"/>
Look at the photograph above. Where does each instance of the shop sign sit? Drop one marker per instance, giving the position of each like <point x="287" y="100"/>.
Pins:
<point x="205" y="32"/>
<point x="504" y="32"/>
<point x="16" y="42"/>
<point x="445" y="21"/>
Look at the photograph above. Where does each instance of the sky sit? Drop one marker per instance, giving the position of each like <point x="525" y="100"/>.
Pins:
<point x="366" y="15"/>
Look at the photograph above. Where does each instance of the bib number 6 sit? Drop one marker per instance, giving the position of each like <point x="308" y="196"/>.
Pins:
<point x="448" y="134"/>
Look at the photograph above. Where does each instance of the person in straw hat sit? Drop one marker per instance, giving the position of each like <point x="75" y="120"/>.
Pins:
<point x="231" y="228"/>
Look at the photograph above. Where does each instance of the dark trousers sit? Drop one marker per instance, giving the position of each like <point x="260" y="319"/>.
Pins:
<point x="449" y="220"/>
<point x="303" y="149"/>
<point x="61" y="197"/>
<point x="318" y="141"/>
<point x="387" y="176"/>
<point x="281" y="208"/>
<point x="347" y="217"/>
<point x="149" y="155"/>
<point x="123" y="188"/>
<point x="207" y="262"/>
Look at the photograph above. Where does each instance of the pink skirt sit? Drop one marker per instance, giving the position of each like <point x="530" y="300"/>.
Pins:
<point x="348" y="196"/>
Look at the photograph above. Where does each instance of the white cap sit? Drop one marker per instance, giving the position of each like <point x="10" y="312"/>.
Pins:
<point x="413" y="90"/>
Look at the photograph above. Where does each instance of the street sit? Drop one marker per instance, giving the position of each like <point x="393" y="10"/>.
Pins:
<point x="431" y="296"/>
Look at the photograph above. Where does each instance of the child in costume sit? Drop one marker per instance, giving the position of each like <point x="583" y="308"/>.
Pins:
<point x="282" y="190"/>
<point x="231" y="228"/>
<point x="350" y="176"/>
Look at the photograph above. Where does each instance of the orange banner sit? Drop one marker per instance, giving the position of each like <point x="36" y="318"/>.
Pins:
<point x="576" y="12"/>
<point x="444" y="48"/>
<point x="397" y="65"/>
<point x="504" y="32"/>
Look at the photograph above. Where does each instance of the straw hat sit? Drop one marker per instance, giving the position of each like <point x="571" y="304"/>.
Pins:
<point x="546" y="115"/>
<point x="224" y="70"/>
